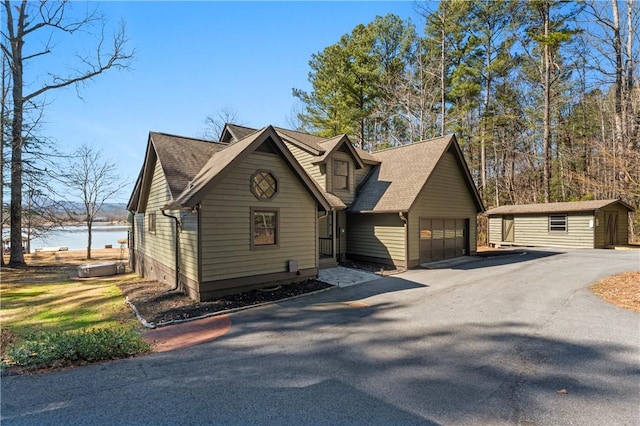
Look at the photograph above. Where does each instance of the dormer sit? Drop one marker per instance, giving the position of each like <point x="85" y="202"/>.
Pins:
<point x="340" y="162"/>
<point x="233" y="133"/>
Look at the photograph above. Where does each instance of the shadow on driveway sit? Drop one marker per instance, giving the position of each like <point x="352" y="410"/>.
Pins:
<point x="497" y="258"/>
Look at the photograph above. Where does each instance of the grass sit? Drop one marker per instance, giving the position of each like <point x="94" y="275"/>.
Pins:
<point x="50" y="320"/>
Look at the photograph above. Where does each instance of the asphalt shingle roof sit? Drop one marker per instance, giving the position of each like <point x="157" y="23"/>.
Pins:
<point x="182" y="158"/>
<point x="217" y="162"/>
<point x="239" y="132"/>
<point x="311" y="141"/>
<point x="394" y="185"/>
<point x="543" y="208"/>
<point x="398" y="176"/>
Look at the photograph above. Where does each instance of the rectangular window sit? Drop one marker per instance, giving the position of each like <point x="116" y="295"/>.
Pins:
<point x="264" y="228"/>
<point x="558" y="223"/>
<point x="151" y="223"/>
<point x="340" y="175"/>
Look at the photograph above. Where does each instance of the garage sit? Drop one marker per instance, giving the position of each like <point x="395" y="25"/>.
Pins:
<point x="443" y="239"/>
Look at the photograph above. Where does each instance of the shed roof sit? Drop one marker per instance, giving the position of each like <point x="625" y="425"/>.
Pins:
<point x="395" y="184"/>
<point x="545" y="208"/>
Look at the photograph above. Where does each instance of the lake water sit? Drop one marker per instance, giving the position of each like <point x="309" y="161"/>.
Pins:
<point x="75" y="237"/>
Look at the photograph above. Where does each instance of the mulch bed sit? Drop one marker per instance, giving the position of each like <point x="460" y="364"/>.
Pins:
<point x="157" y="304"/>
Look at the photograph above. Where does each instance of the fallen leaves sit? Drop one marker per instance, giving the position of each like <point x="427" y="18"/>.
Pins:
<point x="622" y="290"/>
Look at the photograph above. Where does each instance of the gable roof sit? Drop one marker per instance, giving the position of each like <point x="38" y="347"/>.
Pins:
<point x="334" y="144"/>
<point x="180" y="158"/>
<point x="566" y="207"/>
<point x="310" y="143"/>
<point x="223" y="160"/>
<point x="394" y="185"/>
<point x="234" y="132"/>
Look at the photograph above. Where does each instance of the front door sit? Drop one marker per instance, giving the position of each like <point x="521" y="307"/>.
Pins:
<point x="610" y="228"/>
<point x="507" y="229"/>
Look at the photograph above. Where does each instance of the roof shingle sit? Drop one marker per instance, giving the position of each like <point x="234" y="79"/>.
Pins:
<point x="544" y="208"/>
<point x="181" y="158"/>
<point x="394" y="185"/>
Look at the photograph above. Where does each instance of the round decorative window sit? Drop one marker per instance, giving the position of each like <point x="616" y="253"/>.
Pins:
<point x="264" y="185"/>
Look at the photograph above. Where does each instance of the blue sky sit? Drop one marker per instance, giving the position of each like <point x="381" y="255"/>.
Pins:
<point x="193" y="59"/>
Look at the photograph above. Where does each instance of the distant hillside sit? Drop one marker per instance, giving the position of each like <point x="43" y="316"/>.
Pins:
<point x="108" y="212"/>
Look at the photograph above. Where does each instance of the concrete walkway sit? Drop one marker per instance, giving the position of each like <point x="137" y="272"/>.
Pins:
<point x="344" y="277"/>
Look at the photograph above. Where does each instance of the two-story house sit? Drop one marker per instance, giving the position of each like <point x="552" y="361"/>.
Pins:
<point x="276" y="205"/>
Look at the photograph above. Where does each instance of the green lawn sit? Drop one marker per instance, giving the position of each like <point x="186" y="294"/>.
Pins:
<point x="40" y="302"/>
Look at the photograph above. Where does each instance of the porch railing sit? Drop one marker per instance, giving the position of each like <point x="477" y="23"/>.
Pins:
<point x="326" y="246"/>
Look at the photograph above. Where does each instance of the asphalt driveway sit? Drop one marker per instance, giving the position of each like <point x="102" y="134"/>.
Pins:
<point x="507" y="340"/>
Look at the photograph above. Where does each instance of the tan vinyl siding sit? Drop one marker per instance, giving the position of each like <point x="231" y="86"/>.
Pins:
<point x="138" y="236"/>
<point x="348" y="195"/>
<point x="189" y="244"/>
<point x="376" y="235"/>
<point x="226" y="219"/>
<point x="495" y="230"/>
<point x="323" y="227"/>
<point x="161" y="245"/>
<point x="445" y="196"/>
<point x="533" y="230"/>
<point x="362" y="173"/>
<point x="305" y="159"/>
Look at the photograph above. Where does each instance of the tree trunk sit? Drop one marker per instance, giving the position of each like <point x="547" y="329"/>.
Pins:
<point x="443" y="46"/>
<point x="618" y="88"/>
<point x="546" y="132"/>
<point x="89" y="229"/>
<point x="16" y="259"/>
<point x="632" y="123"/>
<point x="3" y="114"/>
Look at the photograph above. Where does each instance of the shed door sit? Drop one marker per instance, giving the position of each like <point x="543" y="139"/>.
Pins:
<point x="443" y="239"/>
<point x="610" y="228"/>
<point x="507" y="228"/>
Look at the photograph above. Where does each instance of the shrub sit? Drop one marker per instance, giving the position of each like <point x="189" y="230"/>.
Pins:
<point x="63" y="348"/>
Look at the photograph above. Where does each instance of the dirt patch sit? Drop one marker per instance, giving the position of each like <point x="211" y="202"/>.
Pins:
<point x="622" y="290"/>
<point x="157" y="304"/>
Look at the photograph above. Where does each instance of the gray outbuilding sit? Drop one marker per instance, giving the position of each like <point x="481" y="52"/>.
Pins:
<point x="577" y="224"/>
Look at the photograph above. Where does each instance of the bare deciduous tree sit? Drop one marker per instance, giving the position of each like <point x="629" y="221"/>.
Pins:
<point x="23" y="21"/>
<point x="215" y="123"/>
<point x="94" y="180"/>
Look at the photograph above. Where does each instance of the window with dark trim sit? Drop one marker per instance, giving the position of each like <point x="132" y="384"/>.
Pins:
<point x="558" y="223"/>
<point x="151" y="223"/>
<point x="340" y="175"/>
<point x="264" y="228"/>
<point x="264" y="185"/>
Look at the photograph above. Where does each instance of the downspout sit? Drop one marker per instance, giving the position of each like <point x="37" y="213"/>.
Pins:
<point x="406" y="238"/>
<point x="177" y="248"/>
